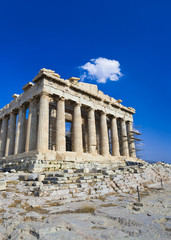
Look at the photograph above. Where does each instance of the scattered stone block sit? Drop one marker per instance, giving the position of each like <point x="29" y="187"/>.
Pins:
<point x="38" y="193"/>
<point x="36" y="184"/>
<point x="23" y="177"/>
<point x="80" y="170"/>
<point x="138" y="204"/>
<point x="69" y="171"/>
<point x="33" y="177"/>
<point x="86" y="170"/>
<point x="2" y="184"/>
<point x="136" y="208"/>
<point x="41" y="177"/>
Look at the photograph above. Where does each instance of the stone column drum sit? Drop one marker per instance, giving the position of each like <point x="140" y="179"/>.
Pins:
<point x="114" y="137"/>
<point x="21" y="131"/>
<point x="104" y="135"/>
<point x="124" y="138"/>
<point x="31" y="136"/>
<point x="43" y="125"/>
<point x="0" y="135"/>
<point x="77" y="129"/>
<point x="4" y="129"/>
<point x="11" y="135"/>
<point x="92" y="131"/>
<point x="60" y="126"/>
<point x="131" y="141"/>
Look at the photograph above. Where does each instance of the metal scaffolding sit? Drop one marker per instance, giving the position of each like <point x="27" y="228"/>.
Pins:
<point x="139" y="145"/>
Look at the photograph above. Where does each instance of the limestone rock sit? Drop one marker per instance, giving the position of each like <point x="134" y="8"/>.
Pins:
<point x="2" y="184"/>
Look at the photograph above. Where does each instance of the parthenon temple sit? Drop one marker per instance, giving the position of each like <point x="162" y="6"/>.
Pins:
<point x="57" y="123"/>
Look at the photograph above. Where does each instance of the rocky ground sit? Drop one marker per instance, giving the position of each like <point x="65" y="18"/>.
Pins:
<point x="112" y="216"/>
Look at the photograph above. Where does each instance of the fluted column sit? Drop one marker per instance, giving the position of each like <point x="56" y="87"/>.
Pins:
<point x="104" y="135"/>
<point x="77" y="129"/>
<point x="114" y="137"/>
<point x="0" y="135"/>
<point x="92" y="131"/>
<point x="124" y="139"/>
<point x="31" y="135"/>
<point x="21" y="131"/>
<point x="43" y="125"/>
<point x="60" y="126"/>
<point x="11" y="135"/>
<point x="131" y="141"/>
<point x="4" y="129"/>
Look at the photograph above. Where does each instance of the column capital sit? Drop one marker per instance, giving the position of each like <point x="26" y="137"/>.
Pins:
<point x="22" y="105"/>
<point x="129" y="121"/>
<point x="102" y="113"/>
<point x="5" y="116"/>
<point x="89" y="108"/>
<point x="77" y="104"/>
<point x="13" y="112"/>
<point x="43" y="93"/>
<point x="60" y="98"/>
<point x="123" y="120"/>
<point x="113" y="117"/>
<point x="33" y="99"/>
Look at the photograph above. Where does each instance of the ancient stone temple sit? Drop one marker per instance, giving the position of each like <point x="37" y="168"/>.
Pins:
<point x="57" y="124"/>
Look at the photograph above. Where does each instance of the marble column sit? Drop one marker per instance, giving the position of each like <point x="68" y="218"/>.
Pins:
<point x="124" y="139"/>
<point x="131" y="141"/>
<point x="0" y="135"/>
<point x="92" y="131"/>
<point x="43" y="123"/>
<point x="31" y="135"/>
<point x="104" y="135"/>
<point x="21" y="131"/>
<point x="4" y="129"/>
<point x="77" y="129"/>
<point x="114" y="137"/>
<point x="60" y="126"/>
<point x="11" y="135"/>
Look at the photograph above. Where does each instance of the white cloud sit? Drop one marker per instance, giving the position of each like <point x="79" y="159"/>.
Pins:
<point x="101" y="70"/>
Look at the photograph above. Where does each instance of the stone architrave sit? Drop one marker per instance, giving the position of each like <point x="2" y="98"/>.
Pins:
<point x="77" y="129"/>
<point x="11" y="135"/>
<point x="92" y="131"/>
<point x="60" y="126"/>
<point x="114" y="137"/>
<point x="131" y="141"/>
<point x="124" y="138"/>
<point x="104" y="135"/>
<point x="4" y="129"/>
<point x="31" y="135"/>
<point x="21" y="131"/>
<point x="43" y="125"/>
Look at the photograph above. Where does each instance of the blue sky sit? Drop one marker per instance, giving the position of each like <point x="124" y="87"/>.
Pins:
<point x="63" y="35"/>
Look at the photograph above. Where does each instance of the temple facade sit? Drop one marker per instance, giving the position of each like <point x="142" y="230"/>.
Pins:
<point x="57" y="123"/>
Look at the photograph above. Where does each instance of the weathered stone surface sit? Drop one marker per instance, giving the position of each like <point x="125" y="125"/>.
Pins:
<point x="109" y="217"/>
<point x="41" y="178"/>
<point x="2" y="184"/>
<point x="33" y="177"/>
